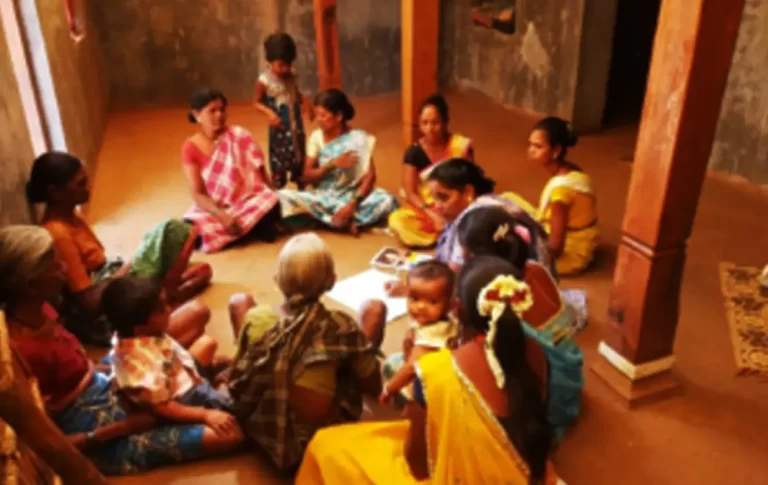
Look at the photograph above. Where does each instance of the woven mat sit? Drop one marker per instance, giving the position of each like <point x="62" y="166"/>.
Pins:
<point x="746" y="305"/>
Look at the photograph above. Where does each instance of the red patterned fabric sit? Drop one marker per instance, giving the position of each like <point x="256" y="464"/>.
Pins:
<point x="55" y="358"/>
<point x="233" y="179"/>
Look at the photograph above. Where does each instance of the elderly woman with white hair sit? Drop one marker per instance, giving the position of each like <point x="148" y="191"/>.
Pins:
<point x="79" y="398"/>
<point x="302" y="366"/>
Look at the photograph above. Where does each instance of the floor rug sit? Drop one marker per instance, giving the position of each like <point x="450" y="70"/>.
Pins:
<point x="746" y="306"/>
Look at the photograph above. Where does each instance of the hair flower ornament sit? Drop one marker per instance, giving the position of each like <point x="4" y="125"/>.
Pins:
<point x="503" y="291"/>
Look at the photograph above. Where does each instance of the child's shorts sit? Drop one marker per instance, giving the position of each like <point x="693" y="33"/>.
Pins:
<point x="205" y="396"/>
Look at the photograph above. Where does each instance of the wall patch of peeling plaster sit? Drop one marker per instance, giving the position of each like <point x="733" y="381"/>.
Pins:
<point x="533" y="52"/>
<point x="741" y="141"/>
<point x="535" y="70"/>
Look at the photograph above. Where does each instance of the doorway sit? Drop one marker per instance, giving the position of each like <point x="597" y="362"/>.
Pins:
<point x="633" y="37"/>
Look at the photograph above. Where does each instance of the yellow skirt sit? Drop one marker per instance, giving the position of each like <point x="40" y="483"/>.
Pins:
<point x="578" y="252"/>
<point x="362" y="453"/>
<point x="413" y="228"/>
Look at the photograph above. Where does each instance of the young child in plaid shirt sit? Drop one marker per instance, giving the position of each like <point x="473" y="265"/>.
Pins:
<point x="156" y="373"/>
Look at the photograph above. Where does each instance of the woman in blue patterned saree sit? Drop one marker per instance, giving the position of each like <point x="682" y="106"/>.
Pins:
<point x="340" y="169"/>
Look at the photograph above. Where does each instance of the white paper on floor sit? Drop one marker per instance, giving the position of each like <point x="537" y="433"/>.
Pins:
<point x="352" y="292"/>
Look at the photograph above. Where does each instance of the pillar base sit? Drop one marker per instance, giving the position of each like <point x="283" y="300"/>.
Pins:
<point x="637" y="392"/>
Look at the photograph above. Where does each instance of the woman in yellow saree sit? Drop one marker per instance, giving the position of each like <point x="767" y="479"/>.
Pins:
<point x="567" y="208"/>
<point x="477" y="415"/>
<point x="416" y="224"/>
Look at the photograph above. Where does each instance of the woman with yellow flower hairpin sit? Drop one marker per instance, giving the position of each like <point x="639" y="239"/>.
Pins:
<point x="485" y="388"/>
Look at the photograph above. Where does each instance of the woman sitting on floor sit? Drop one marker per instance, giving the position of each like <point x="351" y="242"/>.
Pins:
<point x="227" y="177"/>
<point x="340" y="169"/>
<point x="59" y="181"/>
<point x="459" y="187"/>
<point x="80" y="399"/>
<point x="567" y="208"/>
<point x="477" y="415"/>
<point x="493" y="232"/>
<point x="418" y="224"/>
<point x="302" y="367"/>
<point x="33" y="449"/>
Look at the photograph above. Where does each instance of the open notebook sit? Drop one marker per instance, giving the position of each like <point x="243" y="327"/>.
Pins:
<point x="352" y="292"/>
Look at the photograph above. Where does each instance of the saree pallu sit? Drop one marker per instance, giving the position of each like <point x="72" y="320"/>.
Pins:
<point x="410" y="224"/>
<point x="340" y="187"/>
<point x="18" y="464"/>
<point x="566" y="374"/>
<point x="98" y="405"/>
<point x="158" y="253"/>
<point x="466" y="443"/>
<point x="582" y="235"/>
<point x="233" y="179"/>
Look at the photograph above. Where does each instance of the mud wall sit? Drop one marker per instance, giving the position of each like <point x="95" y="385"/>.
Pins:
<point x="15" y="145"/>
<point x="741" y="142"/>
<point x="158" y="53"/>
<point x="535" y="69"/>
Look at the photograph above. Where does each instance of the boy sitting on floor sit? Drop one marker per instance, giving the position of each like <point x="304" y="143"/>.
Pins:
<point x="156" y="372"/>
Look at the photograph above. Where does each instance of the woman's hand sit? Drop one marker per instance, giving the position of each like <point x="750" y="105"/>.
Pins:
<point x="437" y="220"/>
<point x="395" y="288"/>
<point x="346" y="160"/>
<point x="344" y="216"/>
<point x="221" y="422"/>
<point x="229" y="222"/>
<point x="274" y="120"/>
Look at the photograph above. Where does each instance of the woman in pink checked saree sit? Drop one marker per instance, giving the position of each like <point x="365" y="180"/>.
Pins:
<point x="227" y="178"/>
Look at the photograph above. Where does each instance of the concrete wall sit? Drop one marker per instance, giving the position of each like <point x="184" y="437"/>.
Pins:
<point x="78" y="77"/>
<point x="741" y="143"/>
<point x="535" y="69"/>
<point x="158" y="53"/>
<point x="15" y="145"/>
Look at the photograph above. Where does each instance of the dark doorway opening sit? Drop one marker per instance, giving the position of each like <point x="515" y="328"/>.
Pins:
<point x="630" y="60"/>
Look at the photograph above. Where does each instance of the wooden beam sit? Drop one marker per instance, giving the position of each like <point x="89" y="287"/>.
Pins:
<point x="420" y="28"/>
<point x="327" y="40"/>
<point x="691" y="60"/>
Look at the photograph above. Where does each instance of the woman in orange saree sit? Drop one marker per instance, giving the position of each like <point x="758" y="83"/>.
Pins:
<point x="477" y="415"/>
<point x="416" y="224"/>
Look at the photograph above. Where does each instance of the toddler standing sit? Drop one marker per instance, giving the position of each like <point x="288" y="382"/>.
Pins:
<point x="278" y="97"/>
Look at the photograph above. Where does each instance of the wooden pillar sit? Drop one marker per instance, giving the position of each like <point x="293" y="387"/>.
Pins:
<point x="691" y="60"/>
<point x="420" y="27"/>
<point x="327" y="40"/>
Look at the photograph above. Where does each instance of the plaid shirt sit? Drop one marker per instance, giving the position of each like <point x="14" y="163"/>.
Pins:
<point x="153" y="369"/>
<point x="261" y="378"/>
<point x="233" y="179"/>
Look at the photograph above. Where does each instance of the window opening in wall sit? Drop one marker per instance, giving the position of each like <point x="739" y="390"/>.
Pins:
<point x="496" y="15"/>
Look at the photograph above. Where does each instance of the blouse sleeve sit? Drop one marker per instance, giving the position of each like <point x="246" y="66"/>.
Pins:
<point x="315" y="144"/>
<point x="415" y="157"/>
<point x="77" y="275"/>
<point x="562" y="195"/>
<point x="190" y="153"/>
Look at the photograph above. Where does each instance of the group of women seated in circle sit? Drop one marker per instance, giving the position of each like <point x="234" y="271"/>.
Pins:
<point x="489" y="377"/>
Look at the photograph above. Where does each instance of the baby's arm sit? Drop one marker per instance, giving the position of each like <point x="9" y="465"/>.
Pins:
<point x="405" y="375"/>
